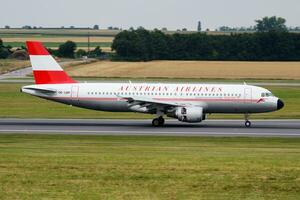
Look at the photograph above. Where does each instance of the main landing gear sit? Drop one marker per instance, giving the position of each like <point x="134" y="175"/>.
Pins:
<point x="157" y="122"/>
<point x="247" y="122"/>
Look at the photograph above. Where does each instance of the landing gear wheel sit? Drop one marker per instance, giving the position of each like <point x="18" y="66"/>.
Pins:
<point x="158" y="122"/>
<point x="248" y="124"/>
<point x="161" y="121"/>
<point x="155" y="122"/>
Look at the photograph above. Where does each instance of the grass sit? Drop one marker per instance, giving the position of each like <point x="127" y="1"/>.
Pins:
<point x="7" y="65"/>
<point x="137" y="167"/>
<point x="14" y="104"/>
<point x="190" y="69"/>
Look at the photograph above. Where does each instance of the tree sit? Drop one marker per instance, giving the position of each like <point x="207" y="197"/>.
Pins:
<point x="270" y="24"/>
<point x="67" y="49"/>
<point x="4" y="52"/>
<point x="7" y="27"/>
<point x="96" y="27"/>
<point x="97" y="52"/>
<point x="26" y="27"/>
<point x="80" y="53"/>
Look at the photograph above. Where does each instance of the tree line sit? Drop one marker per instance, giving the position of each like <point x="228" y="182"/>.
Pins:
<point x="270" y="42"/>
<point x="144" y="45"/>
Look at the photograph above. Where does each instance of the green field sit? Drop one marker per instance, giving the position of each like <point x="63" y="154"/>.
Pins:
<point x="55" y="32"/>
<point x="14" y="104"/>
<point x="56" y="44"/>
<point x="132" y="167"/>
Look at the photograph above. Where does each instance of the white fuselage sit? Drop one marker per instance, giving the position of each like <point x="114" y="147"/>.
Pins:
<point x="213" y="98"/>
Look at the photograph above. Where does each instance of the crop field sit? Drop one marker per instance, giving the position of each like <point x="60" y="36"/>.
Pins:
<point x="56" y="44"/>
<point x="58" y="39"/>
<point x="53" y="38"/>
<point x="56" y="32"/>
<point x="14" y="104"/>
<point x="79" y="32"/>
<point x="142" y="167"/>
<point x="190" y="69"/>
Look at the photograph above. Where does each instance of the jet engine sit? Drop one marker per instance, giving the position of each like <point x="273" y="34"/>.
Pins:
<point x="188" y="114"/>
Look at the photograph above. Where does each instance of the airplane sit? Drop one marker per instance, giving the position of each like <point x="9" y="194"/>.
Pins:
<point x="187" y="102"/>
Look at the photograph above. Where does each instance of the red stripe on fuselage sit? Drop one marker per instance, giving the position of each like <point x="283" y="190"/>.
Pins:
<point x="36" y="48"/>
<point x="161" y="99"/>
<point x="51" y="77"/>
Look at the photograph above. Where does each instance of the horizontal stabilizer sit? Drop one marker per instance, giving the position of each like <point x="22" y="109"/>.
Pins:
<point x="39" y="90"/>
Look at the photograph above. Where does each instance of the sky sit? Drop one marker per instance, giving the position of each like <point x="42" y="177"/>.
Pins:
<point x="172" y="14"/>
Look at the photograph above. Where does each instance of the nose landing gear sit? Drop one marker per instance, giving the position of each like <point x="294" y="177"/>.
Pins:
<point x="247" y="122"/>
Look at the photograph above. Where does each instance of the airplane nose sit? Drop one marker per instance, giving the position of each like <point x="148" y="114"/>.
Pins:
<point x="280" y="104"/>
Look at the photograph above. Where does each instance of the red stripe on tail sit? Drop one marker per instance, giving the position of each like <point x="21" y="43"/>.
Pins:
<point x="36" y="48"/>
<point x="45" y="69"/>
<point x="51" y="77"/>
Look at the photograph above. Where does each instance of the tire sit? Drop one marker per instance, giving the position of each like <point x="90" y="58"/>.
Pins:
<point x="161" y="121"/>
<point x="248" y="124"/>
<point x="156" y="122"/>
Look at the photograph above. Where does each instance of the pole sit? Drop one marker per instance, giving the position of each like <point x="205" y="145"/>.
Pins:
<point x="88" y="44"/>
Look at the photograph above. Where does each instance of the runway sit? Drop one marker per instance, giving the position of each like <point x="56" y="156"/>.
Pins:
<point x="266" y="128"/>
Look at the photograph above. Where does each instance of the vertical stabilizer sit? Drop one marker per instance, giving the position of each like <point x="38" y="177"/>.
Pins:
<point x="45" y="68"/>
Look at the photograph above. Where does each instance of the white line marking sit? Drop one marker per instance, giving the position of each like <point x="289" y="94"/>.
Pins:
<point x="148" y="133"/>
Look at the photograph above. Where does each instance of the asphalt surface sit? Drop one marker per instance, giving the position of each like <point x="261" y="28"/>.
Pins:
<point x="269" y="128"/>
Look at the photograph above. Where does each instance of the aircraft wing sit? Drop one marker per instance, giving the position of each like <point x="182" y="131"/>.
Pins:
<point x="152" y="104"/>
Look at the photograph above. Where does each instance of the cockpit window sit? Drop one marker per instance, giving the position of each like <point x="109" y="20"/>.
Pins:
<point x="267" y="94"/>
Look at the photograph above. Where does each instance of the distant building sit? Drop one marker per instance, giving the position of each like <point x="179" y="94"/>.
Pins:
<point x="199" y="28"/>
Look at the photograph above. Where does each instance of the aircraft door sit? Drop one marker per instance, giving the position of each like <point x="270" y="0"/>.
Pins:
<point x="74" y="93"/>
<point x="247" y="95"/>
